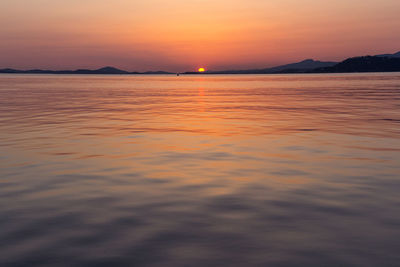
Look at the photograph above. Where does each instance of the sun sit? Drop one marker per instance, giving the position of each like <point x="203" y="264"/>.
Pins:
<point x="201" y="69"/>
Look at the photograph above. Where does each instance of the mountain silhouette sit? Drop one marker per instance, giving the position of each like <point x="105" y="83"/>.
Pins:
<point x="364" y="64"/>
<point x="301" y="66"/>
<point x="390" y="55"/>
<point x="378" y="63"/>
<point x="104" y="70"/>
<point x="110" y="70"/>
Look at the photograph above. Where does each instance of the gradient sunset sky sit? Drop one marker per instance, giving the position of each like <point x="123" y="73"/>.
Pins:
<point x="179" y="35"/>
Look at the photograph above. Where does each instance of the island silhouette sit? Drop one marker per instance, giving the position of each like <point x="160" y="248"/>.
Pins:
<point x="377" y="63"/>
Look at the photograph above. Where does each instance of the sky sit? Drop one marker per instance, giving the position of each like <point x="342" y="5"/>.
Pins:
<point x="183" y="35"/>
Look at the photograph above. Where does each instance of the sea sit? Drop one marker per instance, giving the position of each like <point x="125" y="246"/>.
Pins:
<point x="200" y="170"/>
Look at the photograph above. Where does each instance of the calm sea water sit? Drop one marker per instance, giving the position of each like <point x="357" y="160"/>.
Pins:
<point x="285" y="170"/>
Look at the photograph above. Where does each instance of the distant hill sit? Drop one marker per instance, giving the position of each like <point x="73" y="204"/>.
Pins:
<point x="364" y="64"/>
<point x="105" y="70"/>
<point x="378" y="63"/>
<point x="301" y="66"/>
<point x="307" y="64"/>
<point x="390" y="55"/>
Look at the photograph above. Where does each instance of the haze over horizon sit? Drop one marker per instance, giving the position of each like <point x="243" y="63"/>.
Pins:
<point x="179" y="35"/>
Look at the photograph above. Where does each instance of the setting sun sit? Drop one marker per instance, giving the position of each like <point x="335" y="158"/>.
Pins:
<point x="201" y="69"/>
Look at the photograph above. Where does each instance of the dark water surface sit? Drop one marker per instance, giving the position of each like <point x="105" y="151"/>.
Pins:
<point x="285" y="170"/>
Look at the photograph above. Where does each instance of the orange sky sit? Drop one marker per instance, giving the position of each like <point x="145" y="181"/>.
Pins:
<point x="181" y="35"/>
